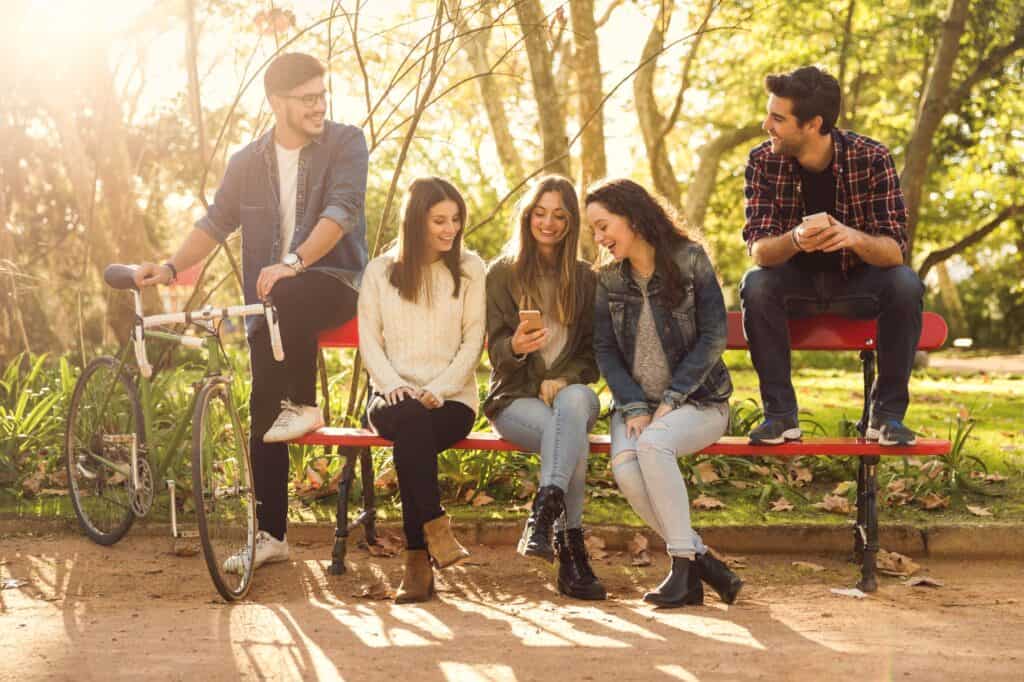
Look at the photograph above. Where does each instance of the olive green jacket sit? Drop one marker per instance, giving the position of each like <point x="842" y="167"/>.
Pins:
<point x="515" y="377"/>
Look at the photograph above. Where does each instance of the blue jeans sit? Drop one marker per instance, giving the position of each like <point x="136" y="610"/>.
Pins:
<point x="893" y="296"/>
<point x="647" y="472"/>
<point x="560" y="434"/>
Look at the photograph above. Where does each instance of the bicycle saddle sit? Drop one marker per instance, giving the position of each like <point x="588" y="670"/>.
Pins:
<point x="120" y="276"/>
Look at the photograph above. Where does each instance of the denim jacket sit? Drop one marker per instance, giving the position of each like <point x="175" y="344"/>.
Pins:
<point x="693" y="333"/>
<point x="331" y="184"/>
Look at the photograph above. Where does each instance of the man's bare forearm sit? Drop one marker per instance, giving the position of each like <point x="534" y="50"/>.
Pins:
<point x="880" y="251"/>
<point x="771" y="251"/>
<point x="320" y="241"/>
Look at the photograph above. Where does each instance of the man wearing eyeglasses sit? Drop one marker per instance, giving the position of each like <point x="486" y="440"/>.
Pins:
<point x="298" y="193"/>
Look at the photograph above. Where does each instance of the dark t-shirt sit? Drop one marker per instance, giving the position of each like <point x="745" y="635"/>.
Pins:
<point x="819" y="194"/>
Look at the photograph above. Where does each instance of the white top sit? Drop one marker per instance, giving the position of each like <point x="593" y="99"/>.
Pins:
<point x="434" y="344"/>
<point x="288" y="180"/>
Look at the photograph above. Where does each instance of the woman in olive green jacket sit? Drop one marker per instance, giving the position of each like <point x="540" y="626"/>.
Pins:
<point x="539" y="398"/>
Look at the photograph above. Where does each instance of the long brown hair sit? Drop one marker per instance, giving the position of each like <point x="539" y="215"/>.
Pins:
<point x="408" y="271"/>
<point x="527" y="263"/>
<point x="652" y="220"/>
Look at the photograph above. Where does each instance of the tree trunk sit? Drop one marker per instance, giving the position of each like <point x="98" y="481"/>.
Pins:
<point x="951" y="300"/>
<point x="587" y="64"/>
<point x="491" y="95"/>
<point x="933" y="108"/>
<point x="554" y="140"/>
<point x="652" y="123"/>
<point x="702" y="185"/>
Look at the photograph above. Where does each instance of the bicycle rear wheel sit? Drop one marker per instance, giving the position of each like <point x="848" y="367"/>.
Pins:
<point x="104" y="425"/>
<point x="223" y="489"/>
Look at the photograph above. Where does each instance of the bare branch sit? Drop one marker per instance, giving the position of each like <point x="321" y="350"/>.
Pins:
<point x="612" y="6"/>
<point x="936" y="257"/>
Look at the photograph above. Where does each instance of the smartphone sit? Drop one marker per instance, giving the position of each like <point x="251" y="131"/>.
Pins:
<point x="816" y="221"/>
<point x="532" y="319"/>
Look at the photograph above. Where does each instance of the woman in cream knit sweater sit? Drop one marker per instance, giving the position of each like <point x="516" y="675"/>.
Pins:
<point x="421" y="332"/>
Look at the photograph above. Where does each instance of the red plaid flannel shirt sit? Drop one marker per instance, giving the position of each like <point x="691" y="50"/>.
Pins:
<point x="868" y="194"/>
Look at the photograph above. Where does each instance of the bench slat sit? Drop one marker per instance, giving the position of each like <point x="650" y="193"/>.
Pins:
<point x="729" y="445"/>
<point x="822" y="332"/>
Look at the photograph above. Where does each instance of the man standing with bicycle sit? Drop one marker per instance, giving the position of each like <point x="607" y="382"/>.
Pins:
<point x="298" y="193"/>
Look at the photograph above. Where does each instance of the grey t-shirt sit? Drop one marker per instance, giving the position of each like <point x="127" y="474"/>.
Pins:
<point x="650" y="366"/>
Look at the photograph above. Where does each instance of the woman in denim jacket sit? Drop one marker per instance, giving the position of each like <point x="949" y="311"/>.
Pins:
<point x="659" y="334"/>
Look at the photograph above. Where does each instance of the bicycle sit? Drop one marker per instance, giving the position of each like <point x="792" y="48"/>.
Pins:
<point x="109" y="426"/>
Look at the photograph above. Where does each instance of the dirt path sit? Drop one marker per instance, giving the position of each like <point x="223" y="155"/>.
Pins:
<point x="1009" y="364"/>
<point x="136" y="611"/>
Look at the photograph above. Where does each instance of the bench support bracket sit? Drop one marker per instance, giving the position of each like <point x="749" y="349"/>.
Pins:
<point x="367" y="518"/>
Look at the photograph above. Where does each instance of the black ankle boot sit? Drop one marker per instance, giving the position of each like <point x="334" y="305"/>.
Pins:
<point x="548" y="505"/>
<point x="681" y="588"/>
<point x="575" y="577"/>
<point x="716" y="574"/>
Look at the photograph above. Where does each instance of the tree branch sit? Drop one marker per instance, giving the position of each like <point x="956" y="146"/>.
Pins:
<point x="936" y="257"/>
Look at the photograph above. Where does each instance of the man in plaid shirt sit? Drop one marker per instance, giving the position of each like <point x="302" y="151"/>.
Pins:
<point x="826" y="229"/>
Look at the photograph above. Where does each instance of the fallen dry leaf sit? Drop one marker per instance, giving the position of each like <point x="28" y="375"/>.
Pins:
<point x="595" y="547"/>
<point x="801" y="476"/>
<point x="481" y="499"/>
<point x="893" y="563"/>
<point x="834" y="504"/>
<point x="706" y="471"/>
<point x="639" y="556"/>
<point x="897" y="485"/>
<point x="320" y="465"/>
<point x="375" y="590"/>
<point x="526" y="488"/>
<point x="995" y="478"/>
<point x="707" y="502"/>
<point x="742" y="485"/>
<point x="934" y="501"/>
<point x="978" y="511"/>
<point x="848" y="592"/>
<point x="468" y="497"/>
<point x="759" y="469"/>
<point x="923" y="581"/>
<point x="782" y="505"/>
<point x="386" y="546"/>
<point x="808" y="566"/>
<point x="11" y="584"/>
<point x="844" y="487"/>
<point x="932" y="468"/>
<point x="185" y="549"/>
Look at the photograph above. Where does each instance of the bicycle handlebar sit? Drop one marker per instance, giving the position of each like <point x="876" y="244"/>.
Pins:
<point x="119" y="277"/>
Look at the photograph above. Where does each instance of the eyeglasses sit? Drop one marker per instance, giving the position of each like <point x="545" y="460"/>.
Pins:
<point x="310" y="100"/>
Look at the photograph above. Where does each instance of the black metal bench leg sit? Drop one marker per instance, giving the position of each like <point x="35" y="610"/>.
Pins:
<point x="859" y="532"/>
<point x="369" y="515"/>
<point x="341" y="525"/>
<point x="868" y="498"/>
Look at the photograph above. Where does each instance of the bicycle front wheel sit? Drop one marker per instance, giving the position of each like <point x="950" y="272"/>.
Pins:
<point x="105" y="425"/>
<point x="223" y="489"/>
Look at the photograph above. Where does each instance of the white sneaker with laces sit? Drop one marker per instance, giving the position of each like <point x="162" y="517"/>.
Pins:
<point x="268" y="550"/>
<point x="294" y="422"/>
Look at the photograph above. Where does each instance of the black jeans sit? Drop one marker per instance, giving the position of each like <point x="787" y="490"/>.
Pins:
<point x="892" y="295"/>
<point x="306" y="304"/>
<point x="419" y="436"/>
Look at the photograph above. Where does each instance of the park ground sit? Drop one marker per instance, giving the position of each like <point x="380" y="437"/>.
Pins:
<point x="74" y="610"/>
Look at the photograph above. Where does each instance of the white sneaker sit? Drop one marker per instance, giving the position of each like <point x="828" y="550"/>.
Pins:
<point x="294" y="422"/>
<point x="268" y="550"/>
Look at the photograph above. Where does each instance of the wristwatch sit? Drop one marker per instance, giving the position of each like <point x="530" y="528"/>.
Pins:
<point x="294" y="261"/>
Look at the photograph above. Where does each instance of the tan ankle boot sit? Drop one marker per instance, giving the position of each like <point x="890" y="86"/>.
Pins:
<point x="418" y="581"/>
<point x="444" y="549"/>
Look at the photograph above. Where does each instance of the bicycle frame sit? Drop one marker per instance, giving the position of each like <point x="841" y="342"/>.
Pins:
<point x="216" y="367"/>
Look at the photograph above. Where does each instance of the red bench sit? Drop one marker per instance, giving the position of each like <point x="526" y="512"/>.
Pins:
<point x="823" y="332"/>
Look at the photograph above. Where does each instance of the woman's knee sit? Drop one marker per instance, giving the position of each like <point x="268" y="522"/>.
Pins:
<point x="580" y="400"/>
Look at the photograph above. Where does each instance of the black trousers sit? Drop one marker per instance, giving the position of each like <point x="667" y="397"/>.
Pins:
<point x="419" y="436"/>
<point x="306" y="305"/>
<point x="894" y="296"/>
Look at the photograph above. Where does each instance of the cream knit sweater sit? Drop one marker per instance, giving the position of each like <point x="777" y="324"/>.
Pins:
<point x="434" y="346"/>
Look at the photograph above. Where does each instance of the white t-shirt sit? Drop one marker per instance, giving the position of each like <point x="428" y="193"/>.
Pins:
<point x="288" y="180"/>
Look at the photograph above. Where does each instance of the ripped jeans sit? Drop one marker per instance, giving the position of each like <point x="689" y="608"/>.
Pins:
<point x="647" y="472"/>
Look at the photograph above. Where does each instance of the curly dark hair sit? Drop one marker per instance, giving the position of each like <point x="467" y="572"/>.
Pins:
<point x="813" y="91"/>
<point x="652" y="220"/>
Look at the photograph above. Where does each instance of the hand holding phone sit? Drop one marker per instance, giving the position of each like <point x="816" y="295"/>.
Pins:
<point x="530" y="335"/>
<point x="810" y="231"/>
